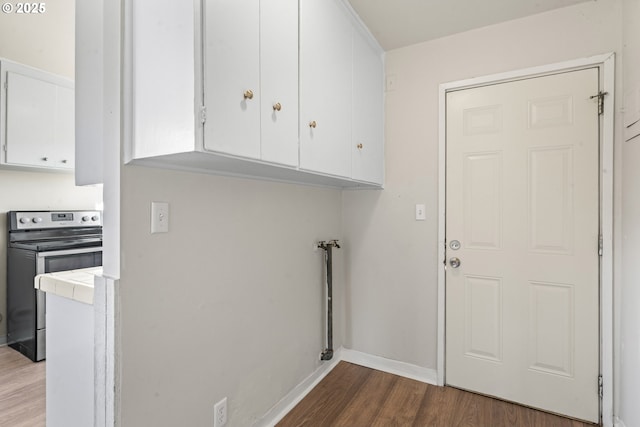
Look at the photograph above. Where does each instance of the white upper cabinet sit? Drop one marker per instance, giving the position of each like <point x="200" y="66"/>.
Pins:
<point x="259" y="88"/>
<point x="250" y="79"/>
<point x="160" y="109"/>
<point x="232" y="77"/>
<point x="367" y="144"/>
<point x="279" y="81"/>
<point x="325" y="87"/>
<point x="37" y="124"/>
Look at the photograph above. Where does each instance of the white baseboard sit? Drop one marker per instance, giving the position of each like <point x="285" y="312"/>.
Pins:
<point x="298" y="393"/>
<point x="294" y="397"/>
<point x="617" y="422"/>
<point x="395" y="367"/>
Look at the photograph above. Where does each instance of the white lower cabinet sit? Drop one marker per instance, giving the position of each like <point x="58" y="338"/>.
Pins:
<point x="37" y="120"/>
<point x="70" y="362"/>
<point x="264" y="106"/>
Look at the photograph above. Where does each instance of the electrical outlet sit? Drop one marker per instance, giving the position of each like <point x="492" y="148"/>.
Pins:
<point x="421" y="215"/>
<point x="220" y="413"/>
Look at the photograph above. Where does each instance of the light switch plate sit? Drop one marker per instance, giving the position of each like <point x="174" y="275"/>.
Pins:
<point x="421" y="215"/>
<point x="391" y="82"/>
<point x="159" y="217"/>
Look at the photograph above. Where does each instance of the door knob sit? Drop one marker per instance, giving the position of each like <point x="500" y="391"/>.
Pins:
<point x="248" y="94"/>
<point x="454" y="262"/>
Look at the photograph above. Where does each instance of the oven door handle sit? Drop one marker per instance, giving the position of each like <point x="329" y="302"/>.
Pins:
<point x="70" y="251"/>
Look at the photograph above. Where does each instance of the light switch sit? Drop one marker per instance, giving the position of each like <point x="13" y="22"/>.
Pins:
<point x="159" y="217"/>
<point x="391" y="82"/>
<point x="421" y="215"/>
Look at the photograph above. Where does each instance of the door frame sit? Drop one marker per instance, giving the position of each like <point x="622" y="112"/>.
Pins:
<point x="606" y="63"/>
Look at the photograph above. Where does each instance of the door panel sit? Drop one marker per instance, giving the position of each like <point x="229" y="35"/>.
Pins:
<point x="523" y="200"/>
<point x="483" y="201"/>
<point x="483" y="325"/>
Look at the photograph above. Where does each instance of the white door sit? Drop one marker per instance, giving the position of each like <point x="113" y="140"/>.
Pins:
<point x="522" y="309"/>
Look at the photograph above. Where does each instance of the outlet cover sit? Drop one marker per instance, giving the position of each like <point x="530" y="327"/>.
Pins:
<point x="220" y="413"/>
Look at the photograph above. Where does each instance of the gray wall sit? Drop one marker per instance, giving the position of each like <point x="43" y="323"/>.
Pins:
<point x="391" y="259"/>
<point x="229" y="303"/>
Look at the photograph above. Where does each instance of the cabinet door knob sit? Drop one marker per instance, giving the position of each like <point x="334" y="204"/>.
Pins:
<point x="313" y="124"/>
<point x="46" y="159"/>
<point x="359" y="146"/>
<point x="64" y="161"/>
<point x="248" y="94"/>
<point x="277" y="106"/>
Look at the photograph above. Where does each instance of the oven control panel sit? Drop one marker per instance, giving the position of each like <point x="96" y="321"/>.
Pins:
<point x="54" y="219"/>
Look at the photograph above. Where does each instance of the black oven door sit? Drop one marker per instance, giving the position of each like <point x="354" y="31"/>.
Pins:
<point x="72" y="259"/>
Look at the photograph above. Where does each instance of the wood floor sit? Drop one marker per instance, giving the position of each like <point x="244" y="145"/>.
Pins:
<point x="22" y="390"/>
<point x="354" y="396"/>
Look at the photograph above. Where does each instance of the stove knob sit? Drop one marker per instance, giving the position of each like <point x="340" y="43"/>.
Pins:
<point x="95" y="218"/>
<point x="85" y="218"/>
<point x="36" y="220"/>
<point x="24" y="220"/>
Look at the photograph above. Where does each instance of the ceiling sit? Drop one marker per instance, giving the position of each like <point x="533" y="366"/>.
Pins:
<point x="398" y="23"/>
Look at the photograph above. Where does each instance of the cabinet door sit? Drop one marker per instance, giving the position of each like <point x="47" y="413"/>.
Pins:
<point x="31" y="106"/>
<point x="64" y="132"/>
<point x="279" y="81"/>
<point x="325" y="87"/>
<point x="40" y="121"/>
<point x="232" y="77"/>
<point x="368" y="112"/>
<point x="162" y="81"/>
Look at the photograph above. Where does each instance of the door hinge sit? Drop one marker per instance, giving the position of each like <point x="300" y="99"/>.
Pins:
<point x="600" y="97"/>
<point x="203" y="114"/>
<point x="600" y="386"/>
<point x="600" y="245"/>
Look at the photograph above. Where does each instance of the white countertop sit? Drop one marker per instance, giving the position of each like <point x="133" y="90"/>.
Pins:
<point x="73" y="284"/>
